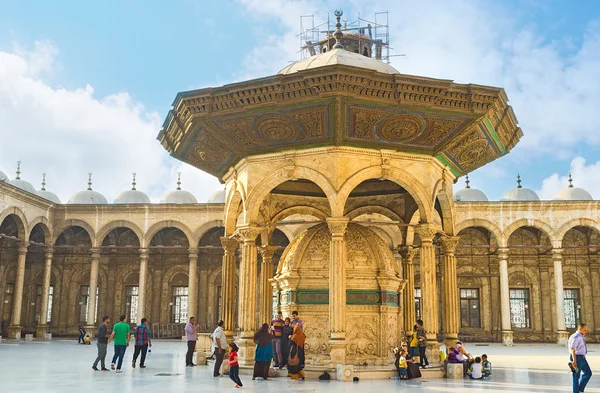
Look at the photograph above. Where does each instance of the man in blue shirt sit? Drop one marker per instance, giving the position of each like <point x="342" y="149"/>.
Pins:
<point x="578" y="351"/>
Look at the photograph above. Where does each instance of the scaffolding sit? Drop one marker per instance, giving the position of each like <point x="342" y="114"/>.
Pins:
<point x="316" y="39"/>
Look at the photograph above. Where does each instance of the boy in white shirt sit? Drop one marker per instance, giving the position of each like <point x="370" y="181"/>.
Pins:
<point x="476" y="370"/>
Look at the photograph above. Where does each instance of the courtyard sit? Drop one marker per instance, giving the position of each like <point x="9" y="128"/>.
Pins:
<point x="64" y="366"/>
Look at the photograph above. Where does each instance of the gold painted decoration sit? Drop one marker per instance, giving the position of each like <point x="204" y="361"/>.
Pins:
<point x="400" y="127"/>
<point x="276" y="128"/>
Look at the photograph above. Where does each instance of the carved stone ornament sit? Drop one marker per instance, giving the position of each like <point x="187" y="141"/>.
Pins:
<point x="266" y="252"/>
<point x="426" y="232"/>
<point x="229" y="244"/>
<point x="248" y="233"/>
<point x="449" y="243"/>
<point x="337" y="225"/>
<point x="408" y="253"/>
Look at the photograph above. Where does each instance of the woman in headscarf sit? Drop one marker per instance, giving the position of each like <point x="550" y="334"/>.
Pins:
<point x="296" y="354"/>
<point x="412" y="367"/>
<point x="264" y="352"/>
<point x="285" y="341"/>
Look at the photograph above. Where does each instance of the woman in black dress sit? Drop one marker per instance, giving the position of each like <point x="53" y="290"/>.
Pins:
<point x="285" y="342"/>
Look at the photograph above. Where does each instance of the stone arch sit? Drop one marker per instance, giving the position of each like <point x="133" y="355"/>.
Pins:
<point x="258" y="193"/>
<point x="384" y="211"/>
<point x="529" y="222"/>
<point x="75" y="223"/>
<point x="302" y="210"/>
<point x="106" y="229"/>
<point x="576" y="222"/>
<point x="446" y="203"/>
<point x="20" y="220"/>
<point x="154" y="229"/>
<point x="234" y="206"/>
<point x="395" y="175"/>
<point x="207" y="226"/>
<point x="45" y="225"/>
<point x="480" y="222"/>
<point x="531" y="281"/>
<point x="391" y="234"/>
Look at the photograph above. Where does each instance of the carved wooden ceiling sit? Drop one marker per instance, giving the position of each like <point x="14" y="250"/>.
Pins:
<point x="464" y="126"/>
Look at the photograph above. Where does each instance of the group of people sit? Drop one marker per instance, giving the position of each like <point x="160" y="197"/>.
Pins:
<point x="474" y="368"/>
<point x="281" y="342"/>
<point x="121" y="335"/>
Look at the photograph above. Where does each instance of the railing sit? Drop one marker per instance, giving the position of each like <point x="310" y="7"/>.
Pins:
<point x="167" y="330"/>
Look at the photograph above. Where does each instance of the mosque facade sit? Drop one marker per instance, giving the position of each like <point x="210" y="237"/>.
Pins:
<point x="340" y="201"/>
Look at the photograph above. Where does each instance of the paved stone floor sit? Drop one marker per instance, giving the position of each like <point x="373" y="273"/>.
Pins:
<point x="63" y="366"/>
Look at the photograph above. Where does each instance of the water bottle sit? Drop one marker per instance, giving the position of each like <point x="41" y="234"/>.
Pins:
<point x="149" y="351"/>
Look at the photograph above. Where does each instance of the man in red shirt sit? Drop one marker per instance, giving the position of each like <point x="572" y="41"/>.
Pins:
<point x="142" y="342"/>
<point x="277" y="327"/>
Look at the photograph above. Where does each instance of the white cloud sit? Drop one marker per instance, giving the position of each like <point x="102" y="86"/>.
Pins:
<point x="584" y="176"/>
<point x="68" y="133"/>
<point x="553" y="86"/>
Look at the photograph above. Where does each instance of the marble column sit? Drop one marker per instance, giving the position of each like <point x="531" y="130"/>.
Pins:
<point x="14" y="331"/>
<point x="561" y="326"/>
<point x="42" y="327"/>
<point x="144" y="254"/>
<point x="337" y="289"/>
<point x="408" y="295"/>
<point x="192" y="282"/>
<point x="93" y="288"/>
<point x="507" y="334"/>
<point x="247" y="298"/>
<point x="266" y="288"/>
<point x="429" y="296"/>
<point x="451" y="298"/>
<point x="228" y="285"/>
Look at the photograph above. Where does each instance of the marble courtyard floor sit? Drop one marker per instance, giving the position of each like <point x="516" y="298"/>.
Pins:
<point x="64" y="366"/>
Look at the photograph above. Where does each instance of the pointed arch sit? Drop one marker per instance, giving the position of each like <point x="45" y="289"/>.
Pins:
<point x="75" y="223"/>
<point x="154" y="229"/>
<point x="20" y="220"/>
<point x="235" y="204"/>
<point x="45" y="225"/>
<point x="483" y="223"/>
<point x="207" y="226"/>
<point x="530" y="222"/>
<point x="576" y="222"/>
<point x="106" y="229"/>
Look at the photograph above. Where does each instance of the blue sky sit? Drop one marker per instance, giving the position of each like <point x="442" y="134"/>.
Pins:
<point x="129" y="59"/>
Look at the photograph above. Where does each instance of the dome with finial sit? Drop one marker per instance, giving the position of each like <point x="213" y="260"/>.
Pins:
<point x="217" y="197"/>
<point x="22" y="184"/>
<point x="50" y="196"/>
<point x="339" y="55"/>
<point x="469" y="194"/>
<point x="520" y="193"/>
<point x="88" y="197"/>
<point x="573" y="193"/>
<point x="132" y="196"/>
<point x="179" y="196"/>
<point x="3" y="176"/>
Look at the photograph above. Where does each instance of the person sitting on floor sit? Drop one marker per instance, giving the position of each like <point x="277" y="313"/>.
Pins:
<point x="476" y="369"/>
<point x="487" y="366"/>
<point x="401" y="364"/>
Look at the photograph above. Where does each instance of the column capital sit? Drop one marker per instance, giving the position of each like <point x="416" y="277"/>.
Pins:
<point x="144" y="252"/>
<point x="266" y="252"/>
<point x="426" y="232"/>
<point x="337" y="225"/>
<point x="193" y="253"/>
<point x="449" y="244"/>
<point x="22" y="248"/>
<point x="408" y="253"/>
<point x="503" y="253"/>
<point x="49" y="252"/>
<point x="95" y="252"/>
<point x="248" y="233"/>
<point x="229" y="244"/>
<point x="557" y="254"/>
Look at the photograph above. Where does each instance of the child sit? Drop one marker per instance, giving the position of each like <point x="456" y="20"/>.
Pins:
<point x="476" y="369"/>
<point x="414" y="342"/>
<point x="234" y="366"/>
<point x="487" y="366"/>
<point x="401" y="364"/>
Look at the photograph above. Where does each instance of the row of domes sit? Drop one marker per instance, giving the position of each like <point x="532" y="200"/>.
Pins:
<point x="520" y="193"/>
<point x="128" y="197"/>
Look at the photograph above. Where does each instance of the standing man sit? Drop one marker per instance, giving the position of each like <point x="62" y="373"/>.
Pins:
<point x="102" y="344"/>
<point x="121" y="334"/>
<point x="422" y="337"/>
<point x="578" y="351"/>
<point x="277" y="327"/>
<point x="191" y="335"/>
<point x="219" y="347"/>
<point x="296" y="320"/>
<point x="142" y="341"/>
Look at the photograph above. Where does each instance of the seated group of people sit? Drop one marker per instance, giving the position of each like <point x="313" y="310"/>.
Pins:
<point x="474" y="368"/>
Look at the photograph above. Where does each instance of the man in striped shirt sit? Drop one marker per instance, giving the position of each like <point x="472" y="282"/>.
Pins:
<point x="578" y="351"/>
<point x="277" y="326"/>
<point x="142" y="342"/>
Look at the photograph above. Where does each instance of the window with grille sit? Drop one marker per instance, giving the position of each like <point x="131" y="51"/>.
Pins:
<point x="131" y="302"/>
<point x="572" y="308"/>
<point x="8" y="301"/>
<point x="519" y="308"/>
<point x="38" y="304"/>
<point x="418" y="303"/>
<point x="179" y="313"/>
<point x="469" y="307"/>
<point x="50" y="298"/>
<point x="84" y="296"/>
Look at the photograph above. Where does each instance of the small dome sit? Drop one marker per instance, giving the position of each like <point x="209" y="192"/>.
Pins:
<point x="3" y="177"/>
<point x="22" y="184"/>
<point x="469" y="194"/>
<point x="50" y="196"/>
<point x="573" y="193"/>
<point x="87" y="197"/>
<point x="178" y="195"/>
<point x="217" y="197"/>
<point x="339" y="56"/>
<point x="520" y="193"/>
<point x="133" y="196"/>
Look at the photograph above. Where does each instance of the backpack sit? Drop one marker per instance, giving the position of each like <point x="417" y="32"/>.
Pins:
<point x="325" y="376"/>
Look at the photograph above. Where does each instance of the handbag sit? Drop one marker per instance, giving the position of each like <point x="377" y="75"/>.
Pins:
<point x="294" y="361"/>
